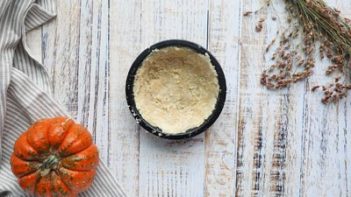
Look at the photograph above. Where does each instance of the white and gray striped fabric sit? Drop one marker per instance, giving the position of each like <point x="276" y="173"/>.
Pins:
<point x="25" y="91"/>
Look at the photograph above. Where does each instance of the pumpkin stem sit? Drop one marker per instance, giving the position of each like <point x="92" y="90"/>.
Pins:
<point x="49" y="164"/>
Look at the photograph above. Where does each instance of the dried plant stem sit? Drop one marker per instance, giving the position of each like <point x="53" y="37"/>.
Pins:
<point x="320" y="24"/>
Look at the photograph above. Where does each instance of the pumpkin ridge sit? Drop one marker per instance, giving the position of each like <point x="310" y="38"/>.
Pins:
<point x="26" y="182"/>
<point x="71" y="176"/>
<point x="29" y="160"/>
<point x="67" y="132"/>
<point x="35" y="184"/>
<point x="69" y="188"/>
<point x="63" y="182"/>
<point x="27" y="143"/>
<point x="78" y="170"/>
<point x="47" y="137"/>
<point x="32" y="165"/>
<point x="52" y="187"/>
<point x="90" y="154"/>
<point x="66" y="121"/>
<point x="79" y="151"/>
<point x="53" y="136"/>
<point x="45" y="134"/>
<point x="29" y="173"/>
<point x="64" y="167"/>
<point x="66" y="129"/>
<point x="64" y="153"/>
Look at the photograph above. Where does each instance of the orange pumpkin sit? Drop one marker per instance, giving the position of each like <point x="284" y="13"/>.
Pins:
<point x="55" y="157"/>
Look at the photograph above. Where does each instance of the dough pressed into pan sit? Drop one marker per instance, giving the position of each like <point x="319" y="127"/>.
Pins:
<point x="176" y="89"/>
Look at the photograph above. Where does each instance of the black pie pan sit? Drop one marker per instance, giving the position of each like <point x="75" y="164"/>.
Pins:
<point x="155" y="130"/>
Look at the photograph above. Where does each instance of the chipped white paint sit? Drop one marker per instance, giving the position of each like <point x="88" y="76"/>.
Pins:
<point x="265" y="143"/>
<point x="161" y="161"/>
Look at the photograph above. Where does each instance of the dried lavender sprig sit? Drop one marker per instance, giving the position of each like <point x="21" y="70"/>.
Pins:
<point x="326" y="20"/>
<point x="320" y="24"/>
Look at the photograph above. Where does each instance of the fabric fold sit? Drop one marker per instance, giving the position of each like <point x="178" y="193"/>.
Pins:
<point x="38" y="15"/>
<point x="25" y="92"/>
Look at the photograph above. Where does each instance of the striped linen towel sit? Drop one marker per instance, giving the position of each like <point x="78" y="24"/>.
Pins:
<point x="24" y="91"/>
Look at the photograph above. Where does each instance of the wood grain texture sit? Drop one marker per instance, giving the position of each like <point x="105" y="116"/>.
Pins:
<point x="125" y="36"/>
<point x="223" y="42"/>
<point x="294" y="149"/>
<point x="265" y="143"/>
<point x="168" y="168"/>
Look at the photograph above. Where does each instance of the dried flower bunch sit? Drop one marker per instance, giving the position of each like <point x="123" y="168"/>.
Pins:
<point x="313" y="23"/>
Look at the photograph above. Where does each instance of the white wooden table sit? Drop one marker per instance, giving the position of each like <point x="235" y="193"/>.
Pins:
<point x="265" y="143"/>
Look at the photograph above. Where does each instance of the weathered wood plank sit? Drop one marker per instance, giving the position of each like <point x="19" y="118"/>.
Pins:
<point x="283" y="136"/>
<point x="98" y="119"/>
<point x="76" y="54"/>
<point x="325" y="147"/>
<point x="343" y="128"/>
<point x="265" y="143"/>
<point x="125" y="30"/>
<point x="61" y="53"/>
<point x="169" y="168"/>
<point x="323" y="151"/>
<point x="267" y="118"/>
<point x="288" y="140"/>
<point x="251" y="136"/>
<point x="223" y="42"/>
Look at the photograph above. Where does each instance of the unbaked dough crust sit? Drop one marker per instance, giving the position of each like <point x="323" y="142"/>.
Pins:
<point x="176" y="89"/>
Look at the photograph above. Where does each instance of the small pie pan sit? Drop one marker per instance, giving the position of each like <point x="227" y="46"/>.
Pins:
<point x="155" y="130"/>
